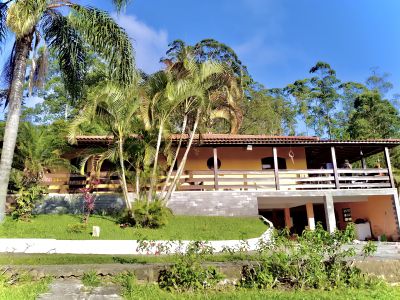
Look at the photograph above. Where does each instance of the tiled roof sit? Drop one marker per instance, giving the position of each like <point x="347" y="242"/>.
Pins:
<point x="243" y="139"/>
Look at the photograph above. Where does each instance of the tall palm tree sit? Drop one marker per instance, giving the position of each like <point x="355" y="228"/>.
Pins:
<point x="30" y="20"/>
<point x="196" y="80"/>
<point x="116" y="109"/>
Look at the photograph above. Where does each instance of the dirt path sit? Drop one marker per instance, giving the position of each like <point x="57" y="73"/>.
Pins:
<point x="73" y="289"/>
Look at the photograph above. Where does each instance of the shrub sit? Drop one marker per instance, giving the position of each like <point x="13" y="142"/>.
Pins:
<point x="26" y="199"/>
<point x="188" y="273"/>
<point x="153" y="214"/>
<point x="316" y="260"/>
<point x="76" y="228"/>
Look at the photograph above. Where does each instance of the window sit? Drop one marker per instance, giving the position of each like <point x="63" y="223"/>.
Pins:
<point x="267" y="163"/>
<point x="210" y="163"/>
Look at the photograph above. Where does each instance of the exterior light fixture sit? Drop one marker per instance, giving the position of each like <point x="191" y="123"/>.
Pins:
<point x="249" y="147"/>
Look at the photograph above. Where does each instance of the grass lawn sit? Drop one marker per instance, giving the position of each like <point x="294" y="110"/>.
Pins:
<point x="154" y="292"/>
<point x="178" y="228"/>
<point x="26" y="290"/>
<point x="77" y="259"/>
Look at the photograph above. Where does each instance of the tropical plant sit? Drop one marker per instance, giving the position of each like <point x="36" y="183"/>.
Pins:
<point x="30" y="20"/>
<point x="116" y="108"/>
<point x="39" y="151"/>
<point x="227" y="92"/>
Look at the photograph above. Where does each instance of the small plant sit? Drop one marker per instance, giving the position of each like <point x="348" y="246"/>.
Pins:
<point x="88" y="200"/>
<point x="76" y="228"/>
<point x="90" y="279"/>
<point x="189" y="272"/>
<point x="316" y="260"/>
<point x="153" y="214"/>
<point x="26" y="199"/>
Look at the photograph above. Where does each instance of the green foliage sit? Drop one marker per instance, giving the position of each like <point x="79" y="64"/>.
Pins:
<point x="76" y="228"/>
<point x="316" y="260"/>
<point x="26" y="200"/>
<point x="373" y="117"/>
<point x="91" y="279"/>
<point x="151" y="214"/>
<point x="189" y="272"/>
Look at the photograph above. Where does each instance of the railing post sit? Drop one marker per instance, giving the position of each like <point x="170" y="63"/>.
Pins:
<point x="215" y="154"/>
<point x="335" y="168"/>
<point x="276" y="168"/>
<point x="389" y="167"/>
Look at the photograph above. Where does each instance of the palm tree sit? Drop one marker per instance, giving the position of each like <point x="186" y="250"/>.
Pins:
<point x="38" y="151"/>
<point x="116" y="109"/>
<point x="196" y="80"/>
<point x="30" y="20"/>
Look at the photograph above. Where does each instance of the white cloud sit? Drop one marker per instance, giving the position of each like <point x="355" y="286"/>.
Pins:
<point x="150" y="44"/>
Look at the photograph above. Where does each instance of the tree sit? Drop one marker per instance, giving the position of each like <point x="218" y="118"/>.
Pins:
<point x="227" y="93"/>
<point x="30" y="20"/>
<point x="116" y="108"/>
<point x="318" y="98"/>
<point x="374" y="117"/>
<point x="268" y="111"/>
<point x="39" y="151"/>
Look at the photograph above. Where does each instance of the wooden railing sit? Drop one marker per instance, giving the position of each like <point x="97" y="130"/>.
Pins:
<point x="313" y="179"/>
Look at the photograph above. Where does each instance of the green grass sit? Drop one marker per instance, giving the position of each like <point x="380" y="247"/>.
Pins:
<point x="23" y="290"/>
<point x="178" y="228"/>
<point x="91" y="279"/>
<point x="152" y="291"/>
<point x="76" y="259"/>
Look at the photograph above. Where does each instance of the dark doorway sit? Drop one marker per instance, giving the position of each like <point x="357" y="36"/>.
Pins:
<point x="319" y="214"/>
<point x="299" y="217"/>
<point x="276" y="216"/>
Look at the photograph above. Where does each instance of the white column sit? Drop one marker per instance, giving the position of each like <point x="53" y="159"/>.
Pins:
<point x="330" y="213"/>
<point x="310" y="215"/>
<point x="397" y="208"/>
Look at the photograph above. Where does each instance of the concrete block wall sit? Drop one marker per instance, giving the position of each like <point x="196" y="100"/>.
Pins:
<point x="211" y="203"/>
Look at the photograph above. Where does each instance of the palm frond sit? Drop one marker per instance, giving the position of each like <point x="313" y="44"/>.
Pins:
<point x="62" y="36"/>
<point x="120" y="4"/>
<point x="108" y="39"/>
<point x="7" y="75"/>
<point x="23" y="16"/>
<point x="3" y="25"/>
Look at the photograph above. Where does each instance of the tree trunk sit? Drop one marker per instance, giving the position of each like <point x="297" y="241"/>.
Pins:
<point x="175" y="157"/>
<point x="23" y="47"/>
<point x="184" y="158"/>
<point x="123" y="178"/>
<point x="153" y="178"/>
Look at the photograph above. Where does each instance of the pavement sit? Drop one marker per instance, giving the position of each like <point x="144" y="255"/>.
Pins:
<point x="73" y="289"/>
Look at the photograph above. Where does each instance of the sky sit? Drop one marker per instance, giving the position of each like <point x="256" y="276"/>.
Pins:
<point x="278" y="40"/>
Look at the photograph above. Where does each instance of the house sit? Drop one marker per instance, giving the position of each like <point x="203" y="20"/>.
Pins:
<point x="293" y="181"/>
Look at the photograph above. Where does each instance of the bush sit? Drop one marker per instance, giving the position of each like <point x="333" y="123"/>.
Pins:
<point x="76" y="228"/>
<point x="153" y="214"/>
<point x="26" y="199"/>
<point x="316" y="260"/>
<point x="189" y="273"/>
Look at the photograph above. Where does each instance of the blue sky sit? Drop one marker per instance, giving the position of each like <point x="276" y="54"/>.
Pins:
<point x="279" y="40"/>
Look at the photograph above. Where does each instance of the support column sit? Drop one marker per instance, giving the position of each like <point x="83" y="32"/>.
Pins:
<point x="396" y="206"/>
<point x="276" y="168"/>
<point x="215" y="154"/>
<point x="330" y="213"/>
<point x="389" y="167"/>
<point x="335" y="169"/>
<point x="310" y="215"/>
<point x="288" y="220"/>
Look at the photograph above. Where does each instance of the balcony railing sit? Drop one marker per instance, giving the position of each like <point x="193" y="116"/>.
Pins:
<point x="312" y="179"/>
